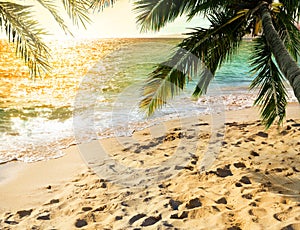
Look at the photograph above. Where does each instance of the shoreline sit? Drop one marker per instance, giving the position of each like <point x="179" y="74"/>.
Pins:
<point x="64" y="193"/>
<point x="237" y="103"/>
<point x="245" y="115"/>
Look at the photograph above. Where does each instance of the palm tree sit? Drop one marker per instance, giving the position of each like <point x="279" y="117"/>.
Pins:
<point x="25" y="32"/>
<point x="276" y="48"/>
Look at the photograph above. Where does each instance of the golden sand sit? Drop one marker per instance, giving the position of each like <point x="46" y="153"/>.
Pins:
<point x="253" y="184"/>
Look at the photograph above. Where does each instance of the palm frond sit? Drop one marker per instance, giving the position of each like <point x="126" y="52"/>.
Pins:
<point x="154" y="14"/>
<point x="24" y="32"/>
<point x="272" y="96"/>
<point x="288" y="66"/>
<point x="292" y="8"/>
<point x="101" y="4"/>
<point x="168" y="79"/>
<point x="204" y="47"/>
<point x="207" y="7"/>
<point x="78" y="11"/>
<point x="163" y="83"/>
<point x="288" y="32"/>
<point x="47" y="4"/>
<point x="221" y="43"/>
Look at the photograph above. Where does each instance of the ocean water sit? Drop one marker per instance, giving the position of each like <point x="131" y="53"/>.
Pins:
<point x="93" y="92"/>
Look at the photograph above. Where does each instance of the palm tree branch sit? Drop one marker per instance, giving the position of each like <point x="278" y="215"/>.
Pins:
<point x="78" y="11"/>
<point x="24" y="32"/>
<point x="220" y="45"/>
<point x="53" y="11"/>
<point x="207" y="7"/>
<point x="272" y="96"/>
<point x="204" y="47"/>
<point x="155" y="14"/>
<point x="292" y="8"/>
<point x="160" y="88"/>
<point x="101" y="4"/>
<point x="288" y="32"/>
<point x="288" y="66"/>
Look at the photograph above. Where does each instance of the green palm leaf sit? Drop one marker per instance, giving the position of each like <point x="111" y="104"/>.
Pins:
<point x="207" y="48"/>
<point x="155" y="14"/>
<point x="208" y="7"/>
<point x="101" y="4"/>
<point x="272" y="95"/>
<point x="160" y="88"/>
<point x="289" y="33"/>
<point x="292" y="8"/>
<point x="24" y="32"/>
<point x="77" y="10"/>
<point x="220" y="45"/>
<point x="230" y="21"/>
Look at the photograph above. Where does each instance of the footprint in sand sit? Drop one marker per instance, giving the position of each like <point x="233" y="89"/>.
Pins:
<point x="239" y="165"/>
<point x="9" y="221"/>
<point x="221" y="201"/>
<point x="234" y="228"/>
<point x="254" y="154"/>
<point x="262" y="134"/>
<point x="118" y="218"/>
<point x="174" y="204"/>
<point x="245" y="180"/>
<point x="257" y="212"/>
<point x="136" y="218"/>
<point x="194" y="203"/>
<point x="150" y="221"/>
<point x="248" y="196"/>
<point x="80" y="223"/>
<point x="24" y="213"/>
<point x="282" y="216"/>
<point x="181" y="215"/>
<point x="44" y="216"/>
<point x="53" y="201"/>
<point x="100" y="209"/>
<point x="295" y="226"/>
<point x="86" y="209"/>
<point x="224" y="172"/>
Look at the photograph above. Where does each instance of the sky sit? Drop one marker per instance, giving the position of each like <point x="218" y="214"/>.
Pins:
<point x="116" y="21"/>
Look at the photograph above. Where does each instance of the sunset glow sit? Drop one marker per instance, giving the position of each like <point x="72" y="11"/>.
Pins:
<point x="114" y="22"/>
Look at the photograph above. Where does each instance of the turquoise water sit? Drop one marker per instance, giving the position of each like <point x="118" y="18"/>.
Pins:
<point x="99" y="81"/>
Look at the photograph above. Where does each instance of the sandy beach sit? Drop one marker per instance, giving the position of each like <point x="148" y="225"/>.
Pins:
<point x="254" y="182"/>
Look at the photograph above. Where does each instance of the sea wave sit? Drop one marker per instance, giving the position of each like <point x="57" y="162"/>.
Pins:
<point x="37" y="116"/>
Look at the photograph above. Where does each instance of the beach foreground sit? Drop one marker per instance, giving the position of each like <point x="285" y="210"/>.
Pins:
<point x="253" y="184"/>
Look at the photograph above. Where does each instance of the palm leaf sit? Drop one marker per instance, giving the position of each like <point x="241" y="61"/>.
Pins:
<point x="220" y="44"/>
<point x="48" y="4"/>
<point x="24" y="32"/>
<point x="78" y="11"/>
<point x="210" y="47"/>
<point x="160" y="87"/>
<point x="207" y="7"/>
<point x="154" y="14"/>
<point x="292" y="8"/>
<point x="101" y="4"/>
<point x="272" y="97"/>
<point x="288" y="32"/>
